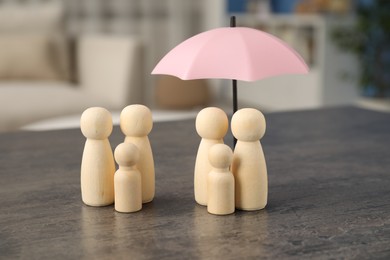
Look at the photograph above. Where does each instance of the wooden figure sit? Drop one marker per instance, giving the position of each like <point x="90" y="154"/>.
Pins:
<point x="212" y="125"/>
<point x="127" y="180"/>
<point x="136" y="123"/>
<point x="249" y="167"/>
<point x="220" y="181"/>
<point x="97" y="166"/>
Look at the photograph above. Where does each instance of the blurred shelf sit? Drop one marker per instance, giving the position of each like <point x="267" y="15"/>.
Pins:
<point x="310" y="36"/>
<point x="281" y="19"/>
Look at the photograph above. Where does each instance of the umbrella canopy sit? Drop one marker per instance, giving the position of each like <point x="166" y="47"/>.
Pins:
<point x="231" y="53"/>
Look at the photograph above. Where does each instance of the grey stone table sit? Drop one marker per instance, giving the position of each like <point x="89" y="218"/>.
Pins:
<point x="329" y="196"/>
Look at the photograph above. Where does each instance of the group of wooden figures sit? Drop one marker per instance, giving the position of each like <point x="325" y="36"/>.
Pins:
<point x="223" y="180"/>
<point x="134" y="182"/>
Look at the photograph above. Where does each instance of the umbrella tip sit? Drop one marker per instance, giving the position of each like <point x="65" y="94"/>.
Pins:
<point x="232" y="21"/>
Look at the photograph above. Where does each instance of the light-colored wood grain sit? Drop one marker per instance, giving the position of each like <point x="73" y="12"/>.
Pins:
<point x="249" y="166"/>
<point x="97" y="166"/>
<point x="127" y="179"/>
<point x="220" y="181"/>
<point x="136" y="123"/>
<point x="211" y="125"/>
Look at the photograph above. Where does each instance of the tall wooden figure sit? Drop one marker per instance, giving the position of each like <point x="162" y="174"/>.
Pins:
<point x="211" y="124"/>
<point x="97" y="166"/>
<point x="220" y="181"/>
<point x="136" y="122"/>
<point x="127" y="180"/>
<point x="249" y="167"/>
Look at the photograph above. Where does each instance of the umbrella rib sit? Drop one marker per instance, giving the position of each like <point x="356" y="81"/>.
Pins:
<point x="247" y="58"/>
<point x="199" y="50"/>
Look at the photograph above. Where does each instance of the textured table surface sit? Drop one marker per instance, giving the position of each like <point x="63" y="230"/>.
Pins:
<point x="329" y="195"/>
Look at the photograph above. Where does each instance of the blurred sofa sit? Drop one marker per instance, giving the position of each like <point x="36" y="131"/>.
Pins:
<point x="43" y="75"/>
<point x="108" y="76"/>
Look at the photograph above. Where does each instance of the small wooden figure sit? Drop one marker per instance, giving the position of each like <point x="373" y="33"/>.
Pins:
<point x="136" y="122"/>
<point x="249" y="166"/>
<point x="127" y="180"/>
<point x="97" y="166"/>
<point x="211" y="124"/>
<point x="220" y="181"/>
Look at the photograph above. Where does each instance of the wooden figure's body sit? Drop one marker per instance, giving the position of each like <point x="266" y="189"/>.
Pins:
<point x="212" y="125"/>
<point x="97" y="166"/>
<point x="127" y="180"/>
<point x="202" y="169"/>
<point x="249" y="166"/>
<point x="250" y="173"/>
<point x="220" y="181"/>
<point x="136" y="123"/>
<point x="145" y="165"/>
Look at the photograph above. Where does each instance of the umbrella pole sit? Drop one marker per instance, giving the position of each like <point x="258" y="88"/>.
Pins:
<point x="235" y="106"/>
<point x="234" y="82"/>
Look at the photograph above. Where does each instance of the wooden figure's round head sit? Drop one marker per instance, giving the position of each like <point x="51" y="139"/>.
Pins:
<point x="96" y="123"/>
<point x="126" y="154"/>
<point x="220" y="156"/>
<point x="136" y="120"/>
<point x="248" y="125"/>
<point x="212" y="123"/>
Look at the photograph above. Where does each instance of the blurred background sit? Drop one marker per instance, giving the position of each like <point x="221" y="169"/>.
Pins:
<point x="59" y="57"/>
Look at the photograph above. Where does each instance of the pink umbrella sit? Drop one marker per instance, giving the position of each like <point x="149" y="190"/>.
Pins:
<point x="231" y="53"/>
<point x="237" y="53"/>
